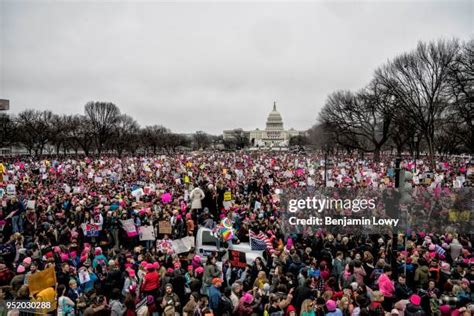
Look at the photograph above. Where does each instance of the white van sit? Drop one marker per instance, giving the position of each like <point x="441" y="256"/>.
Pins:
<point x="206" y="244"/>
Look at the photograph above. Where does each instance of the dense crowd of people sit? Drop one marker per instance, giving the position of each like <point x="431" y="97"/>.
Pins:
<point x="87" y="217"/>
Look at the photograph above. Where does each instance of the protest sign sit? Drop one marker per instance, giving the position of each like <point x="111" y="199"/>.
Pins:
<point x="41" y="280"/>
<point x="257" y="205"/>
<point x="84" y="276"/>
<point x="129" y="227"/>
<point x="146" y="233"/>
<point x="98" y="179"/>
<point x="165" y="246"/>
<point x="137" y="193"/>
<point x="164" y="227"/>
<point x="237" y="259"/>
<point x="227" y="205"/>
<point x="2" y="193"/>
<point x="91" y="230"/>
<point x="11" y="189"/>
<point x="30" y="205"/>
<point x="227" y="196"/>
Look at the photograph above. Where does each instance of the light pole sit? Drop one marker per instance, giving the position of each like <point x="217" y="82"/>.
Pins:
<point x="415" y="140"/>
<point x="326" y="166"/>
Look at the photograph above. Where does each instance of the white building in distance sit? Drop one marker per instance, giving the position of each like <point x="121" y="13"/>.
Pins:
<point x="274" y="134"/>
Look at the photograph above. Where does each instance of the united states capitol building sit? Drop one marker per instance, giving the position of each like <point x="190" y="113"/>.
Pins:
<point x="274" y="134"/>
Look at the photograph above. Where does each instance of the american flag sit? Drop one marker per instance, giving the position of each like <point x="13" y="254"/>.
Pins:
<point x="260" y="241"/>
<point x="440" y="251"/>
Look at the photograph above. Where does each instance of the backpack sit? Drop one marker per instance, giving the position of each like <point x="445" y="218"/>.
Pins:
<point x="225" y="306"/>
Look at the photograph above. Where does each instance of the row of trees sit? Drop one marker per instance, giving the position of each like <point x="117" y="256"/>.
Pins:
<point x="423" y="99"/>
<point x="102" y="128"/>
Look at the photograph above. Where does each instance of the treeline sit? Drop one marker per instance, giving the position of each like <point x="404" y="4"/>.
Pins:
<point x="101" y="129"/>
<point x="420" y="100"/>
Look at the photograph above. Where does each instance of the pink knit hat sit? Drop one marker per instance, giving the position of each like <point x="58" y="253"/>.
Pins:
<point x="199" y="270"/>
<point x="331" y="305"/>
<point x="247" y="298"/>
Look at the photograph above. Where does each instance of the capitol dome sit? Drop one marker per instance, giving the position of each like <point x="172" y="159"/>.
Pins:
<point x="274" y="120"/>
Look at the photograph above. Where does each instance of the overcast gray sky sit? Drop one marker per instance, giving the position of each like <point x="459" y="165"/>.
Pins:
<point x="208" y="66"/>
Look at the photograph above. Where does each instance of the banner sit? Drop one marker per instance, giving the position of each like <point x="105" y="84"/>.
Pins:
<point x="146" y="233"/>
<point x="164" y="227"/>
<point x="41" y="280"/>
<point x="183" y="245"/>
<point x="91" y="230"/>
<point x="129" y="227"/>
<point x="237" y="259"/>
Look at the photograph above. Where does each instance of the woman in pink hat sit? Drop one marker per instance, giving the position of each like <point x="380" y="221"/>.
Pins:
<point x="130" y="281"/>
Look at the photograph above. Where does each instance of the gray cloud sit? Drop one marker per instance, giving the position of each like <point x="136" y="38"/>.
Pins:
<point x="207" y="66"/>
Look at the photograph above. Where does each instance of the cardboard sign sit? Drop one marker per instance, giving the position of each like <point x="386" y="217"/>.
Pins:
<point x="164" y="227"/>
<point x="227" y="196"/>
<point x="146" y="233"/>
<point x="129" y="227"/>
<point x="237" y="259"/>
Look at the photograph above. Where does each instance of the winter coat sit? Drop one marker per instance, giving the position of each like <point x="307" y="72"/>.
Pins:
<point x="422" y="275"/>
<point x="151" y="281"/>
<point x="386" y="286"/>
<point x="196" y="196"/>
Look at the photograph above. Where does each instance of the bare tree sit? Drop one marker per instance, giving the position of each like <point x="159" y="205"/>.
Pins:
<point x="103" y="118"/>
<point x="81" y="134"/>
<point x="174" y="140"/>
<point x="360" y="120"/>
<point x="153" y="137"/>
<point x="238" y="140"/>
<point x="125" y="136"/>
<point x="8" y="134"/>
<point x="201" y="140"/>
<point x="418" y="80"/>
<point x="35" y="130"/>
<point x="461" y="104"/>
